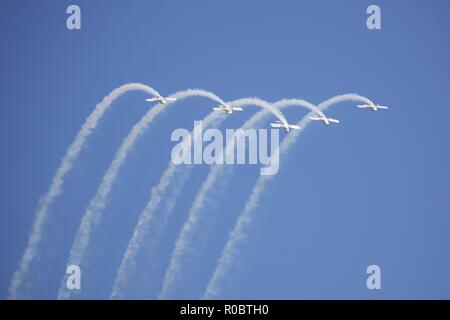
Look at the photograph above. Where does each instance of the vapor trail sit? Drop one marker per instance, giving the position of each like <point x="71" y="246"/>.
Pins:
<point x="93" y="212"/>
<point x="147" y="218"/>
<point x="189" y="232"/>
<point x="244" y="219"/>
<point x="21" y="280"/>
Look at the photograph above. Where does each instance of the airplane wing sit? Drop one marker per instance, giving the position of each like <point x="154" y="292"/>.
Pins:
<point x="315" y="118"/>
<point x="217" y="108"/>
<point x="237" y="109"/>
<point x="363" y="106"/>
<point x="276" y="125"/>
<point x="294" y="126"/>
<point x="171" y="99"/>
<point x="382" y="107"/>
<point x="152" y="99"/>
<point x="333" y="120"/>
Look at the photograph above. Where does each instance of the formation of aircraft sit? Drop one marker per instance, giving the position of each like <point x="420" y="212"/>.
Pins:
<point x="163" y="100"/>
<point x="280" y="124"/>
<point x="227" y="108"/>
<point x="374" y="107"/>
<point x="325" y="120"/>
<point x="277" y="124"/>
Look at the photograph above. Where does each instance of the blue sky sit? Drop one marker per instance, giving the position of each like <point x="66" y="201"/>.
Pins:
<point x="372" y="190"/>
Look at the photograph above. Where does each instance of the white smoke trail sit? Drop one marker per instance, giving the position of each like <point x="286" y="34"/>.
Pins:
<point x="217" y="173"/>
<point x="147" y="218"/>
<point x="92" y="215"/>
<point x="244" y="219"/>
<point x="21" y="281"/>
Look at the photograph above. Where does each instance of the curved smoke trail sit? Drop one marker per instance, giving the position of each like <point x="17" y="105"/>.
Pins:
<point x="147" y="218"/>
<point x="217" y="173"/>
<point x="245" y="217"/>
<point x="18" y="286"/>
<point x="92" y="215"/>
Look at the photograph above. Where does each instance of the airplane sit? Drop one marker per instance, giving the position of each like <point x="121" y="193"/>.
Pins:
<point x="227" y="108"/>
<point x="160" y="99"/>
<point x="372" y="106"/>
<point x="280" y="124"/>
<point x="326" y="120"/>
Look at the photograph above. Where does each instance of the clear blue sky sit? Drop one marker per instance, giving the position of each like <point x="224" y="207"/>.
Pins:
<point x="372" y="190"/>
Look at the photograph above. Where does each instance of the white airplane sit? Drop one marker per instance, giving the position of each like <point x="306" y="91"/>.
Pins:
<point x="326" y="120"/>
<point x="160" y="99"/>
<point x="372" y="106"/>
<point x="280" y="124"/>
<point x="227" y="108"/>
